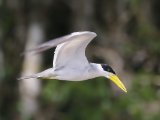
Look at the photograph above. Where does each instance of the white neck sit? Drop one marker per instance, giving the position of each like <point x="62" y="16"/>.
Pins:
<point x="99" y="70"/>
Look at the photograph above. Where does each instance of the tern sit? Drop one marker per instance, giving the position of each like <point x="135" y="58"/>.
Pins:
<point x="70" y="62"/>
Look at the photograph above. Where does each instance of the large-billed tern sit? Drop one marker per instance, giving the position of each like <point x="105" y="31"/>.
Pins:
<point x="70" y="62"/>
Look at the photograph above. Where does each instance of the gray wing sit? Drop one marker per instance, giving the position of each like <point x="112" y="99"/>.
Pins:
<point x="70" y="49"/>
<point x="47" y="45"/>
<point x="54" y="42"/>
<point x="72" y="52"/>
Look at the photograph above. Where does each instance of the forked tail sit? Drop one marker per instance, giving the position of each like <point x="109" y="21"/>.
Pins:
<point x="28" y="77"/>
<point x="49" y="73"/>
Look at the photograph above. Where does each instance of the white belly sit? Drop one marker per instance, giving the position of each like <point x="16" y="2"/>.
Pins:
<point x="74" y="75"/>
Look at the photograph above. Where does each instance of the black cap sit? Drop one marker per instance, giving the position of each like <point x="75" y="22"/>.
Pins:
<point x="107" y="68"/>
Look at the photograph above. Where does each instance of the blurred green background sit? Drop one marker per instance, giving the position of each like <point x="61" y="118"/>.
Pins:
<point x="128" y="40"/>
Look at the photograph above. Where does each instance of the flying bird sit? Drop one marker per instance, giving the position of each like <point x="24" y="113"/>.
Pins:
<point x="70" y="62"/>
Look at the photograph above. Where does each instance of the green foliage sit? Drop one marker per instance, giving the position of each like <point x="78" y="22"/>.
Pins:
<point x="93" y="99"/>
<point x="96" y="101"/>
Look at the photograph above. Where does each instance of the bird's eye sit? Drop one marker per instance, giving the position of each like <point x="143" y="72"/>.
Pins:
<point x="107" y="68"/>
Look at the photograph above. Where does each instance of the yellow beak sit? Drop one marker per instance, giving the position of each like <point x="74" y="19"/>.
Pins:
<point x="117" y="81"/>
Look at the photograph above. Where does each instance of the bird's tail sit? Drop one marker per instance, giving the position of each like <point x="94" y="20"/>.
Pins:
<point x="28" y="77"/>
<point x="49" y="73"/>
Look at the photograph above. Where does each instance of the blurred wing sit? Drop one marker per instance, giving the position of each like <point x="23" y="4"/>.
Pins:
<point x="47" y="45"/>
<point x="54" y="42"/>
<point x="72" y="52"/>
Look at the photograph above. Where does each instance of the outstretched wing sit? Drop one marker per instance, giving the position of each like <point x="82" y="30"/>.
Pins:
<point x="54" y="42"/>
<point x="47" y="45"/>
<point x="72" y="52"/>
<point x="70" y="49"/>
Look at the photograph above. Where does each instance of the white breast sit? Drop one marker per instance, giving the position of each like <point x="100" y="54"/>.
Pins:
<point x="77" y="74"/>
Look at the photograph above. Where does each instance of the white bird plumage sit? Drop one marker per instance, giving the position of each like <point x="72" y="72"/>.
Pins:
<point x="70" y="62"/>
<point x="72" y="52"/>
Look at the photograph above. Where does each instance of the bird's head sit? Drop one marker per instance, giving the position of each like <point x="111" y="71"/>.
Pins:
<point x="111" y="75"/>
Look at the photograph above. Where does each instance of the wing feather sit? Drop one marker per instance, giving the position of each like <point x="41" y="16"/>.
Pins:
<point x="70" y="49"/>
<point x="72" y="53"/>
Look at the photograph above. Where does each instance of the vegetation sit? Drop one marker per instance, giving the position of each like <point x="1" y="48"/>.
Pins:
<point x="128" y="39"/>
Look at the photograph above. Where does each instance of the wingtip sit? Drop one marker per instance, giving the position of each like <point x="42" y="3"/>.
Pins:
<point x="19" y="79"/>
<point x="84" y="32"/>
